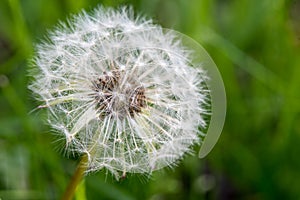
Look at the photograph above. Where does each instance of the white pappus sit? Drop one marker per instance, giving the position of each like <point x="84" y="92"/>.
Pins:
<point x="121" y="90"/>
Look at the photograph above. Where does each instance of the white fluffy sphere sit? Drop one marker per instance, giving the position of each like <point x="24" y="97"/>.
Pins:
<point x="120" y="90"/>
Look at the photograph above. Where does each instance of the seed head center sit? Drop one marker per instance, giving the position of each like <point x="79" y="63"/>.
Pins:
<point x="118" y="94"/>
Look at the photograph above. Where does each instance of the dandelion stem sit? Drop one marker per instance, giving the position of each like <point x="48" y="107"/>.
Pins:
<point x="77" y="177"/>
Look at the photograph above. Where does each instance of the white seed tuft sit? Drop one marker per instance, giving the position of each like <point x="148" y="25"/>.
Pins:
<point x="120" y="90"/>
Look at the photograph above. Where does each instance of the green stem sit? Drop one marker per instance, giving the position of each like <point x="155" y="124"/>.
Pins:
<point x="69" y="193"/>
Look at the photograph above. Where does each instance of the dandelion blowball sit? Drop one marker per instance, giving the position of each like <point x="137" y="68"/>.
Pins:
<point x="120" y="90"/>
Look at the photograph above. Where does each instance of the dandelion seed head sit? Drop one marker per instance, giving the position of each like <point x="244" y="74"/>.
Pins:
<point x="121" y="90"/>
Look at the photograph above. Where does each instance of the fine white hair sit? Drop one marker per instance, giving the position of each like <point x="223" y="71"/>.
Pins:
<point x="121" y="90"/>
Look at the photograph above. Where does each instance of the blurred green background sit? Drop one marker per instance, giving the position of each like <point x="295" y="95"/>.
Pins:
<point x="255" y="44"/>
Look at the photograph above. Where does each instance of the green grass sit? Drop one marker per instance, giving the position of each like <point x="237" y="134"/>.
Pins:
<point x="256" y="46"/>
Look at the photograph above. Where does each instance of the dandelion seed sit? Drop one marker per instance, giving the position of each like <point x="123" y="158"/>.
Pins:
<point x="121" y="91"/>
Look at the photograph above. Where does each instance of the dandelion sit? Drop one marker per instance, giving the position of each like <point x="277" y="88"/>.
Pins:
<point x="121" y="91"/>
